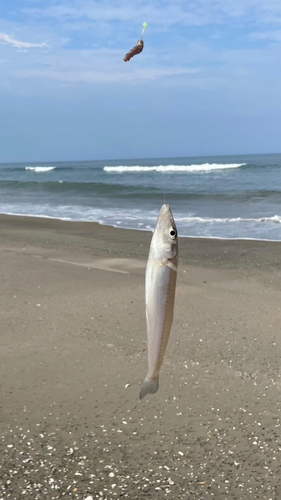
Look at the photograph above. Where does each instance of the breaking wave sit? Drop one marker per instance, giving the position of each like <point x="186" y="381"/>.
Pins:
<point x="205" y="167"/>
<point x="274" y="218"/>
<point x="40" y="169"/>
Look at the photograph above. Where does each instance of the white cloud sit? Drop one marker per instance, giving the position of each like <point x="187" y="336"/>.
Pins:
<point x="7" y="39"/>
<point x="165" y="13"/>
<point x="274" y="36"/>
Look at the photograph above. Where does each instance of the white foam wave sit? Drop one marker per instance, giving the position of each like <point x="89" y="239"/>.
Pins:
<point x="263" y="228"/>
<point x="40" y="169"/>
<point x="205" y="167"/>
<point x="275" y="218"/>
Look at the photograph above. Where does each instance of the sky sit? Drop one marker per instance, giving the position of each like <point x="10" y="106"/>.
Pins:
<point x="207" y="83"/>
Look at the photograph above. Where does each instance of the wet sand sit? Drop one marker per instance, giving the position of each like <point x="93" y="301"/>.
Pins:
<point x="73" y="357"/>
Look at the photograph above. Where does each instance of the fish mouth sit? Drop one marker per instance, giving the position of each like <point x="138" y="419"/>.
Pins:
<point x="166" y="214"/>
<point x="164" y="210"/>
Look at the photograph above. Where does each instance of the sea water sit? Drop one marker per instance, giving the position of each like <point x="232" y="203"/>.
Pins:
<point x="222" y="197"/>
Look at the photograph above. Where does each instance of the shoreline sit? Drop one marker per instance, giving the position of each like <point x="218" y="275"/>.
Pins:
<point x="96" y="239"/>
<point x="43" y="217"/>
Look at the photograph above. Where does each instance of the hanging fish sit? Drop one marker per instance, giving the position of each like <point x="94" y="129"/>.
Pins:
<point x="138" y="48"/>
<point x="160" y="288"/>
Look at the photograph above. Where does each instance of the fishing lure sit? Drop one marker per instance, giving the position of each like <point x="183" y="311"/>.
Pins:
<point x="138" y="48"/>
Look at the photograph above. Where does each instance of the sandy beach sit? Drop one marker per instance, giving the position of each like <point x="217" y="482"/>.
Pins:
<point x="73" y="357"/>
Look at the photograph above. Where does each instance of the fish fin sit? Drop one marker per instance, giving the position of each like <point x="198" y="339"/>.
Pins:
<point x="172" y="266"/>
<point x="149" y="387"/>
<point x="167" y="262"/>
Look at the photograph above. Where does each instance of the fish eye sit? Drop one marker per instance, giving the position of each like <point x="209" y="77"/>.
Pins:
<point x="173" y="232"/>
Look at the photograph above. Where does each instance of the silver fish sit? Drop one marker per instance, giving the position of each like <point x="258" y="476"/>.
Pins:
<point x="160" y="288"/>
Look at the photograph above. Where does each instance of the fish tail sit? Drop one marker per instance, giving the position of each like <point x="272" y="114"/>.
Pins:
<point x="149" y="387"/>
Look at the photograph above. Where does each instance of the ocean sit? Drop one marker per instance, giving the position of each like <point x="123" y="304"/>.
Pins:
<point x="219" y="197"/>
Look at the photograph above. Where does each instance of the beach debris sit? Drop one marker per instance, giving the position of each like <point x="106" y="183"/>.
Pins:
<point x="160" y="288"/>
<point x="28" y="472"/>
<point x="145" y="487"/>
<point x="138" y="48"/>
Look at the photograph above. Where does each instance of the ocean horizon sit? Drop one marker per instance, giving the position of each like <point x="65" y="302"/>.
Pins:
<point x="229" y="197"/>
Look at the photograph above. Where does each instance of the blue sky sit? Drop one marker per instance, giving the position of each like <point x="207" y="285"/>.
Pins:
<point x="208" y="80"/>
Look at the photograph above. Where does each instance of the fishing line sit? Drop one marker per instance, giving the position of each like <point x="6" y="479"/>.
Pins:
<point x="144" y="28"/>
<point x="165" y="184"/>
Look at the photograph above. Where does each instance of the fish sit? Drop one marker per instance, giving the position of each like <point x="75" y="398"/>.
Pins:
<point x="134" y="51"/>
<point x="160" y="289"/>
